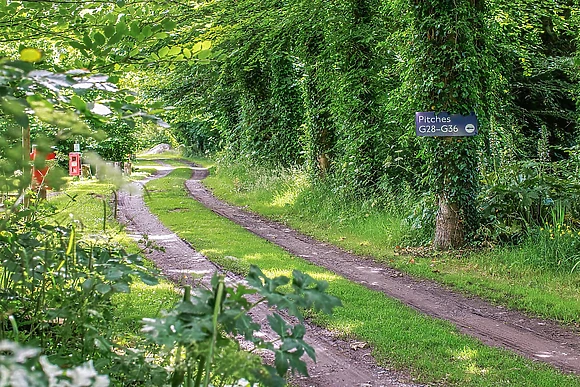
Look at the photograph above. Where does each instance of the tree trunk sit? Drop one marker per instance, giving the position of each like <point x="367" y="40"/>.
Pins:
<point x="448" y="226"/>
<point x="26" y="169"/>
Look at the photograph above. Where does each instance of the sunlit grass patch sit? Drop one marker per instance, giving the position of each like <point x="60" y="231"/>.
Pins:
<point x="87" y="203"/>
<point x="168" y="155"/>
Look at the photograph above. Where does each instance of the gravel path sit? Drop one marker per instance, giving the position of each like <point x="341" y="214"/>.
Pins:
<point x="339" y="362"/>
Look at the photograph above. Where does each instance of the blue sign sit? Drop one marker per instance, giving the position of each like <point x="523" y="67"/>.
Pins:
<point x="431" y="124"/>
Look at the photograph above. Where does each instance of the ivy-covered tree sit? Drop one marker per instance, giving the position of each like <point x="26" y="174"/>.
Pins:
<point x="447" y="66"/>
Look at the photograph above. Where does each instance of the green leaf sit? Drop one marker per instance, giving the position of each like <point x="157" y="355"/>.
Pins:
<point x="30" y="55"/>
<point x="175" y="50"/>
<point x="99" y="39"/>
<point x="113" y="274"/>
<point x="109" y="30"/>
<point x="116" y="38"/>
<point x="87" y="41"/>
<point x="75" y="44"/>
<point x="168" y="24"/>
<point x="121" y="28"/>
<point x="161" y="35"/>
<point x="278" y="324"/>
<point x="281" y="363"/>
<point x="148" y="279"/>
<point x="135" y="29"/>
<point x="87" y="285"/>
<point x="204" y="54"/>
<point x="147" y="31"/>
<point x="163" y="52"/>
<point x="121" y="287"/>
<point x="197" y="47"/>
<point x="103" y="288"/>
<point x="187" y="53"/>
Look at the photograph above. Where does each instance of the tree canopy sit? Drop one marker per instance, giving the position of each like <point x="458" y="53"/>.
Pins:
<point x="331" y="85"/>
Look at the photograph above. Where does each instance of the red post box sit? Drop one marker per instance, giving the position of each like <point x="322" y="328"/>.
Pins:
<point x="74" y="164"/>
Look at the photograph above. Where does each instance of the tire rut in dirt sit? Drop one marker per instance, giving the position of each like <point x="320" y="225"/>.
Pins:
<point x="537" y="339"/>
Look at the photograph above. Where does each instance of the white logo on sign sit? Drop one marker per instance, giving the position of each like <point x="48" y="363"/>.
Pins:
<point x="470" y="128"/>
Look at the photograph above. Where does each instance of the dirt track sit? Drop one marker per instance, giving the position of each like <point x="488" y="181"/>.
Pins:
<point x="339" y="363"/>
<point x="537" y="339"/>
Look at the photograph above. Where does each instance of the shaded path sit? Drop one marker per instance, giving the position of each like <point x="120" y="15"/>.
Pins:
<point x="339" y="362"/>
<point x="537" y="339"/>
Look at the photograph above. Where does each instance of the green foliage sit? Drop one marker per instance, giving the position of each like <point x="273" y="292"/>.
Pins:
<point x="521" y="196"/>
<point x="332" y="85"/>
<point x="56" y="287"/>
<point x="197" y="336"/>
<point x="120" y="143"/>
<point x="198" y="136"/>
<point x="339" y="91"/>
<point x="557" y="244"/>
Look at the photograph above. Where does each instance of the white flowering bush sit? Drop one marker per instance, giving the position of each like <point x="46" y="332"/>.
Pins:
<point x="27" y="367"/>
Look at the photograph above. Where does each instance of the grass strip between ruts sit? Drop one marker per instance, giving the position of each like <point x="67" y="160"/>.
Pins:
<point x="433" y="350"/>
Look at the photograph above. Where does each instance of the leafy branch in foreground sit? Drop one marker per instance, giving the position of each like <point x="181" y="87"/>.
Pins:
<point x="198" y="336"/>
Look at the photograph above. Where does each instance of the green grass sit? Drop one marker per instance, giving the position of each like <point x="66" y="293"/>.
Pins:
<point x="503" y="276"/>
<point x="87" y="202"/>
<point x="165" y="155"/>
<point x="434" y="351"/>
<point x="499" y="276"/>
<point x="83" y="201"/>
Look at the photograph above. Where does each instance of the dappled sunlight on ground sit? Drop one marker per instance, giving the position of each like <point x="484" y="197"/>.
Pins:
<point x="325" y="276"/>
<point x="278" y="273"/>
<point x="294" y="186"/>
<point x="287" y="198"/>
<point x="469" y="357"/>
<point x="347" y="326"/>
<point x="162" y="286"/>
